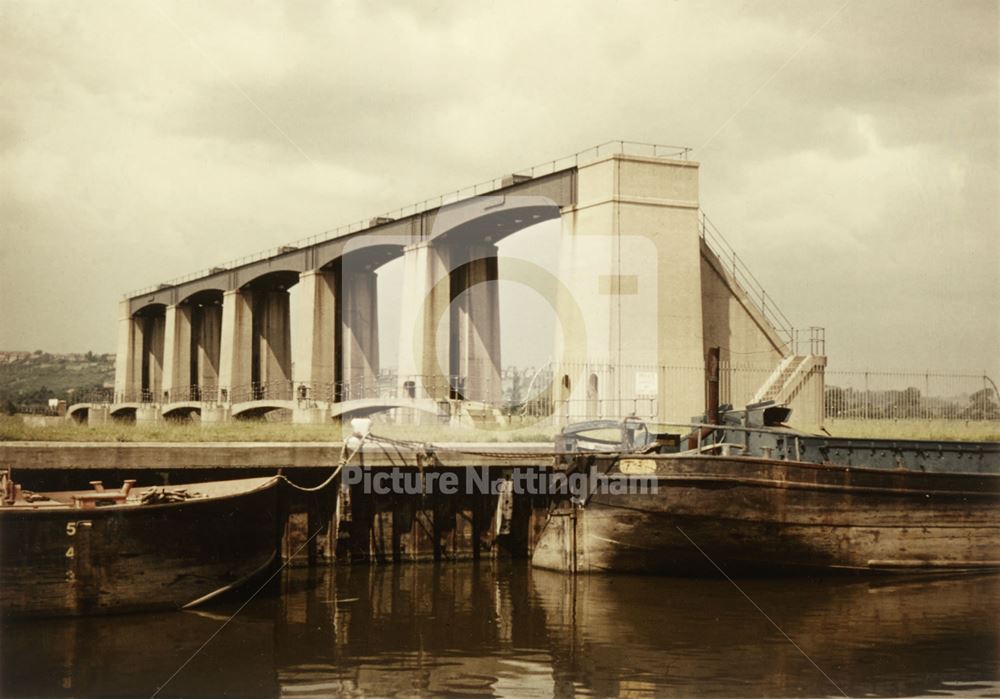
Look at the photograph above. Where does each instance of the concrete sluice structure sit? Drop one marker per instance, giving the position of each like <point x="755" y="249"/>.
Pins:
<point x="642" y="291"/>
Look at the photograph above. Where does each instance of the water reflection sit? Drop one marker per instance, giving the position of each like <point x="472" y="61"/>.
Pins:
<point x="130" y="655"/>
<point x="507" y="630"/>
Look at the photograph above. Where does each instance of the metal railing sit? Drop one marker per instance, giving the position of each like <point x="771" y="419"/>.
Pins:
<point x="747" y="282"/>
<point x="596" y="390"/>
<point x="583" y="157"/>
<point x="896" y="395"/>
<point x="811" y="340"/>
<point x="604" y="390"/>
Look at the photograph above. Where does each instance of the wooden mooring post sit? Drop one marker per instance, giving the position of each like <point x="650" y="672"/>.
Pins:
<point x="354" y="526"/>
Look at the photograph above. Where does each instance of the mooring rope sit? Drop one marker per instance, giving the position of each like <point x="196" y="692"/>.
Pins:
<point x="399" y="446"/>
<point x="336" y="471"/>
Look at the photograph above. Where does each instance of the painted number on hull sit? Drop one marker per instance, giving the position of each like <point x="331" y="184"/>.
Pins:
<point x="71" y="528"/>
<point x="637" y="467"/>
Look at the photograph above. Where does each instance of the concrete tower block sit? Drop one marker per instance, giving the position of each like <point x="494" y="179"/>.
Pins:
<point x="177" y="377"/>
<point x="153" y="338"/>
<point x="423" y="351"/>
<point x="235" y="355"/>
<point x="128" y="361"/>
<point x="314" y="346"/>
<point x="359" y="349"/>
<point x="206" y="346"/>
<point x="272" y="344"/>
<point x="475" y="325"/>
<point x="630" y="257"/>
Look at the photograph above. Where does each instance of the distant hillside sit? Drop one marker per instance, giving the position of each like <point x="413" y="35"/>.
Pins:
<point x="29" y="380"/>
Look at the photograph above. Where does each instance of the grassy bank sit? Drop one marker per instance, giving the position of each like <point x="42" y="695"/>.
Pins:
<point x="963" y="430"/>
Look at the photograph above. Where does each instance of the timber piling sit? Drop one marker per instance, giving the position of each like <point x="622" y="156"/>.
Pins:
<point x="341" y="523"/>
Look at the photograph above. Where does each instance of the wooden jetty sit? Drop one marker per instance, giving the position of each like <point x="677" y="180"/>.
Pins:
<point x="247" y="456"/>
<point x="338" y="524"/>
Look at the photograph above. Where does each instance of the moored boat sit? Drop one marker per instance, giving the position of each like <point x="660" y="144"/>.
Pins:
<point x="133" y="549"/>
<point x="766" y="500"/>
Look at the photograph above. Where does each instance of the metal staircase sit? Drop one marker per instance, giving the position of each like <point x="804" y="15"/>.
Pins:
<point x="788" y="378"/>
<point x="740" y="275"/>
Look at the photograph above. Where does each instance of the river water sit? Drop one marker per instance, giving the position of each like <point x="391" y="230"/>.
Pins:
<point x="506" y="630"/>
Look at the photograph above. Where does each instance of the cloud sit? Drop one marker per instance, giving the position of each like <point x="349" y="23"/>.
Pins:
<point x="140" y="142"/>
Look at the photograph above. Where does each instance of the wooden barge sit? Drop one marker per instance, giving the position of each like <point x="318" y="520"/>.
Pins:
<point x="764" y="499"/>
<point x="168" y="547"/>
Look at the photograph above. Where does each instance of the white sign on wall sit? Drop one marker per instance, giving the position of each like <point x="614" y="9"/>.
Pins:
<point x="646" y="384"/>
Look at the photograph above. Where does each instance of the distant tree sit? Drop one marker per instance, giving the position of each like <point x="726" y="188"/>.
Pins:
<point x="515" y="390"/>
<point x="983" y="396"/>
<point x="982" y="406"/>
<point x="836" y="402"/>
<point x="906" y="403"/>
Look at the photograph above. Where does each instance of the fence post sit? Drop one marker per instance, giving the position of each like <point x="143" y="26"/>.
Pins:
<point x="867" y="412"/>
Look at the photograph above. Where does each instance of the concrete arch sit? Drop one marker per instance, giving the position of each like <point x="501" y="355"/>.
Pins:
<point x="490" y="219"/>
<point x="181" y="407"/>
<point x="152" y="308"/>
<point x="363" y="407"/>
<point x="209" y="295"/>
<point x="280" y="278"/>
<point x="257" y="408"/>
<point x="124" y="412"/>
<point x="362" y="252"/>
<point x="79" y="412"/>
<point x="124" y="409"/>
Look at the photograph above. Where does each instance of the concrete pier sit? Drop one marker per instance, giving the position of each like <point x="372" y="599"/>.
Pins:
<point x="359" y="332"/>
<point x="317" y="334"/>
<point x="235" y="352"/>
<point x="271" y="349"/>
<point x="475" y="326"/>
<point x="177" y="378"/>
<point x="206" y="338"/>
<point x="423" y="352"/>
<point x="128" y="362"/>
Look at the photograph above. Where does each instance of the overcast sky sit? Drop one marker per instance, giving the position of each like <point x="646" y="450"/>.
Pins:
<point x="848" y="151"/>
